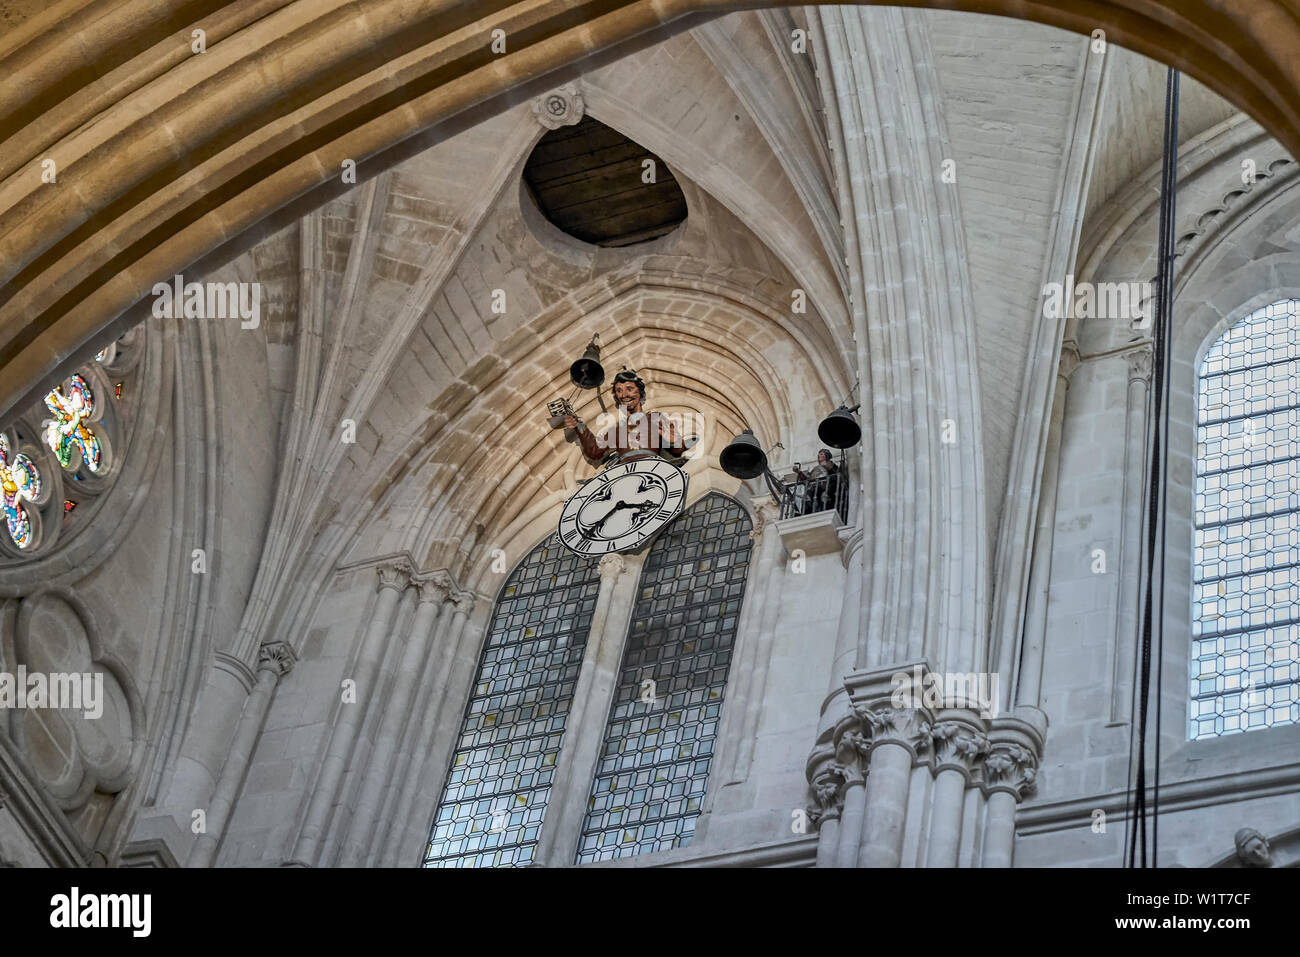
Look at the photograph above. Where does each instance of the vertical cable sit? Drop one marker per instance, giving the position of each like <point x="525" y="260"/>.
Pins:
<point x="1152" y="608"/>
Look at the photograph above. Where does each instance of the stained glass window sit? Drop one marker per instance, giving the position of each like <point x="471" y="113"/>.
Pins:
<point x="500" y="776"/>
<point x="1246" y="590"/>
<point x="654" y="765"/>
<point x="20" y="482"/>
<point x="69" y="430"/>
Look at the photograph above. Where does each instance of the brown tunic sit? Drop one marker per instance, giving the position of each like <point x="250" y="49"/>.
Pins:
<point x="640" y="430"/>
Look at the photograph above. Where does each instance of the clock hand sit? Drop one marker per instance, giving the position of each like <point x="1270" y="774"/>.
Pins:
<point x="610" y="514"/>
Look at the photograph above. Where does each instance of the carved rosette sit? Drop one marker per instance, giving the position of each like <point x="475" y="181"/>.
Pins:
<point x="277" y="657"/>
<point x="562" y="107"/>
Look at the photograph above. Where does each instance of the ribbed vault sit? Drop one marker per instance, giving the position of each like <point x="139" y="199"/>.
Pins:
<point x="166" y="155"/>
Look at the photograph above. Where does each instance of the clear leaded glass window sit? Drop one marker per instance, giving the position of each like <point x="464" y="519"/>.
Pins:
<point x="501" y="770"/>
<point x="654" y="765"/>
<point x="1246" y="593"/>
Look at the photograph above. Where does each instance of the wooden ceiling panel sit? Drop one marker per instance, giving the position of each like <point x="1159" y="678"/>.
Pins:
<point x="587" y="180"/>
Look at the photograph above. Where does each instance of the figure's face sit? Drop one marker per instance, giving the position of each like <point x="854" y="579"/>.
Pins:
<point x="628" y="395"/>
<point x="823" y="458"/>
<point x="1256" y="850"/>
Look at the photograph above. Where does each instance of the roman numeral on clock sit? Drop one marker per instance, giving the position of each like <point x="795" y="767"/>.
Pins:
<point x="664" y="514"/>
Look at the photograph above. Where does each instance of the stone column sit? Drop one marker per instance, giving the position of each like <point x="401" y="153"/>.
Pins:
<point x="1010" y="771"/>
<point x="959" y="744"/>
<point x="1132" y="510"/>
<point x="393" y="579"/>
<point x="584" y="729"/>
<point x="828" y="796"/>
<point x="274" y="661"/>
<point x="851" y="750"/>
<point x="898" y="736"/>
<point x="1030" y="666"/>
<point x="379" y="767"/>
<point x="428" y="756"/>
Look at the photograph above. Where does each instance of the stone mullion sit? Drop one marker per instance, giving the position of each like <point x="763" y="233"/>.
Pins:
<point x="756" y="631"/>
<point x="584" y="729"/>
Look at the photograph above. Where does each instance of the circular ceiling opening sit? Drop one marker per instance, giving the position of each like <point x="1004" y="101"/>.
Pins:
<point x="598" y="186"/>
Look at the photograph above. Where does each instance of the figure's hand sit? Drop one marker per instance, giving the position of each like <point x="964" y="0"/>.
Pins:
<point x="570" y="422"/>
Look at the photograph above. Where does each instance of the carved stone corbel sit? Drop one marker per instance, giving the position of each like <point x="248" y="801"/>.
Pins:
<point x="276" y="656"/>
<point x="828" y="794"/>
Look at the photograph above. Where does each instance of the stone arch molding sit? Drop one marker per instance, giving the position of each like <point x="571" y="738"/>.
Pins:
<point x="705" y="342"/>
<point x="1215" y="205"/>
<point x="71" y="754"/>
<point x="161" y="155"/>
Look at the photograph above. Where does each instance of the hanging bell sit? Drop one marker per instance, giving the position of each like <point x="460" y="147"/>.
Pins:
<point x="840" y="430"/>
<point x="743" y="458"/>
<point x="587" y="372"/>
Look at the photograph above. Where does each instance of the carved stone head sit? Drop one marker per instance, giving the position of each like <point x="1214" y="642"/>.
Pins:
<point x="1252" y="848"/>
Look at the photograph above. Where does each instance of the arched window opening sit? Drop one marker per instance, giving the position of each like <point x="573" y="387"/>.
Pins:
<point x="659" y="739"/>
<point x="1245" y="670"/>
<point x="499" y="781"/>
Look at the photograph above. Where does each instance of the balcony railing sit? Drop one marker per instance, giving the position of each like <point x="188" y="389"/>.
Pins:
<point x="817" y="495"/>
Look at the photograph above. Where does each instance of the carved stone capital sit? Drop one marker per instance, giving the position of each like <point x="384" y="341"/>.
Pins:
<point x="394" y="574"/>
<point x="828" y="794"/>
<point x="276" y="656"/>
<point x="1015" y="746"/>
<point x="611" y="566"/>
<point x="885" y="724"/>
<point x="434" y="589"/>
<point x="1009" y="767"/>
<point x="1139" y="363"/>
<point x="959" y="743"/>
<point x="464" y="602"/>
<point x="562" y="107"/>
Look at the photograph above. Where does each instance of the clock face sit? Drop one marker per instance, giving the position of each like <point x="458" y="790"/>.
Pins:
<point x="622" y="506"/>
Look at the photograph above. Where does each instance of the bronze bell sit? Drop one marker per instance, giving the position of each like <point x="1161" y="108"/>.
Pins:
<point x="743" y="458"/>
<point x="587" y="372"/>
<point x="840" y="430"/>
